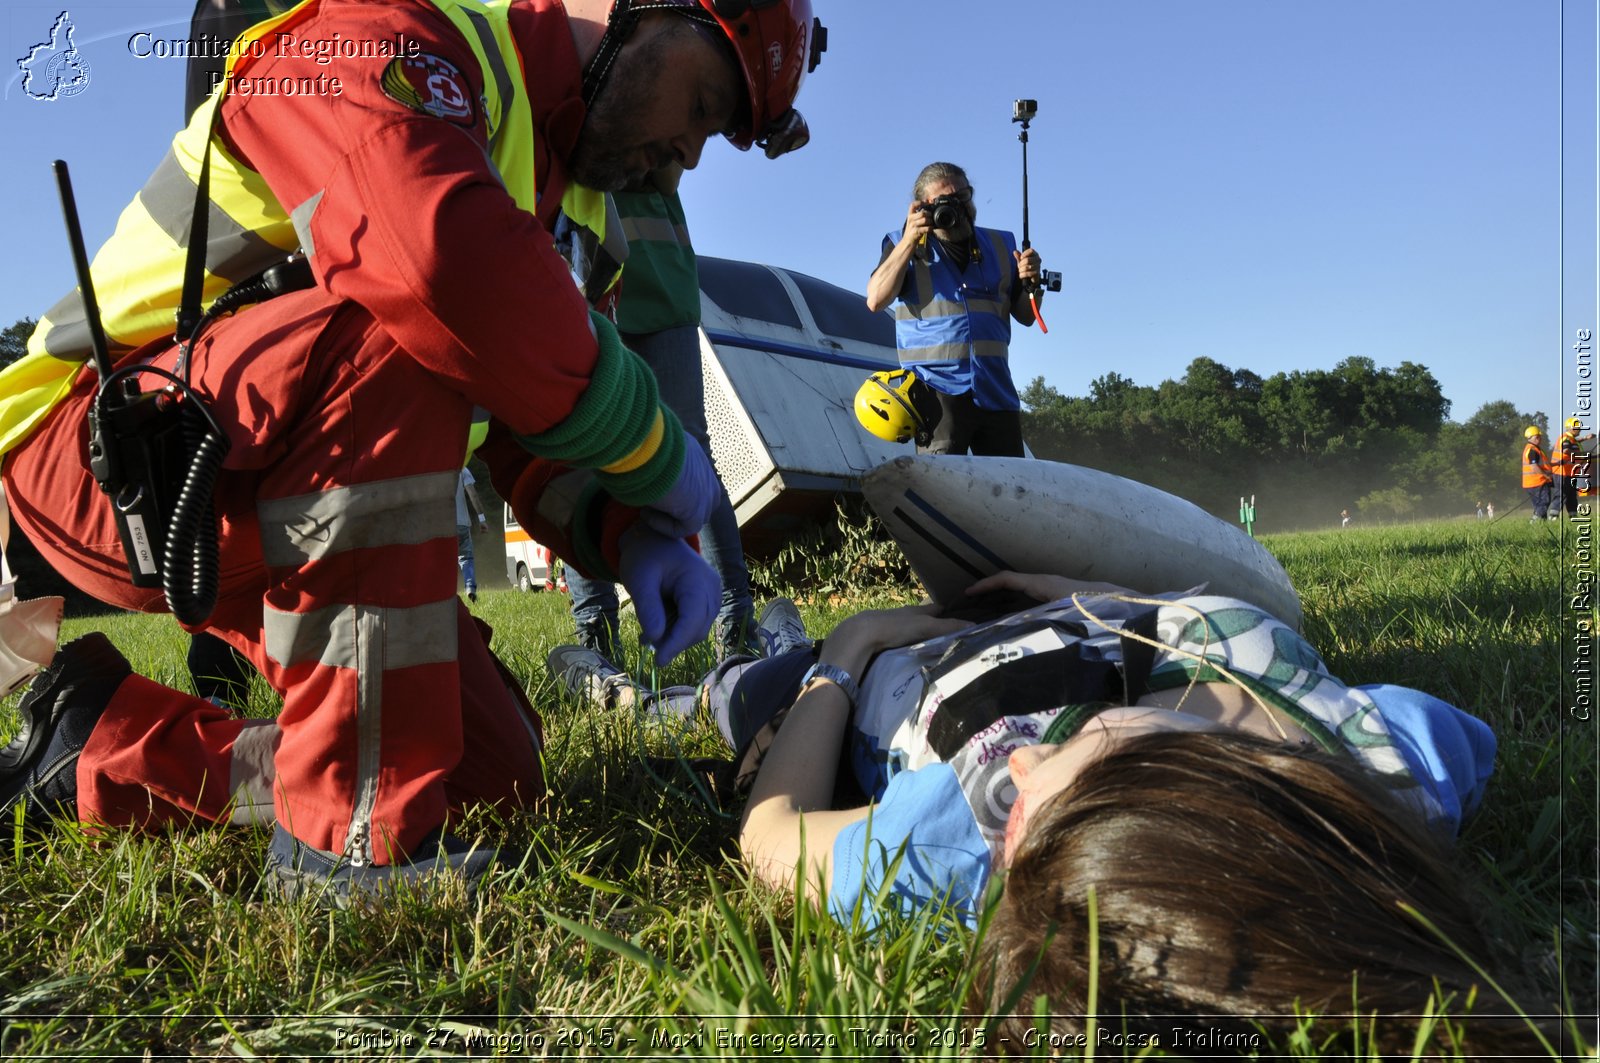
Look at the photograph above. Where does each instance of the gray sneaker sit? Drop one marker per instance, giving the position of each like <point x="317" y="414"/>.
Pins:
<point x="780" y="629"/>
<point x="584" y="672"/>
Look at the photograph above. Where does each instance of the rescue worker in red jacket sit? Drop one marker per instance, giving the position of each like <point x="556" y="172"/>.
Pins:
<point x="416" y="154"/>
<point x="1536" y="476"/>
<point x="1569" y="463"/>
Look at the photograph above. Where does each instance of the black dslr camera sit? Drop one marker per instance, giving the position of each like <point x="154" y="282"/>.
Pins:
<point x="945" y="212"/>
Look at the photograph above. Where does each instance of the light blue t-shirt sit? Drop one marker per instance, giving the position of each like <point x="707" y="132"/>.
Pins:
<point x="936" y="827"/>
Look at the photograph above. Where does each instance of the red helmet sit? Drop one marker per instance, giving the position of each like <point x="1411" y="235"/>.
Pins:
<point x="778" y="43"/>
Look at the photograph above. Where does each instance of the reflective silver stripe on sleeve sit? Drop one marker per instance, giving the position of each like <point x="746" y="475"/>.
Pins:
<point x="333" y="636"/>
<point x="300" y="218"/>
<point x="399" y="512"/>
<point x="252" y="773"/>
<point x="558" y="502"/>
<point x="232" y="251"/>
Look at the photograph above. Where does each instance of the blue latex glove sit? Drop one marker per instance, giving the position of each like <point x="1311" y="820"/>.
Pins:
<point x="675" y="593"/>
<point x="683" y="510"/>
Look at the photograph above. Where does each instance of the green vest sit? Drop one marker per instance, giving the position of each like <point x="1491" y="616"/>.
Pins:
<point x="660" y="284"/>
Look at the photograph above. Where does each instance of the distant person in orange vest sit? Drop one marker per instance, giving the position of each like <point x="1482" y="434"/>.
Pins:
<point x="1536" y="475"/>
<point x="1569" y="462"/>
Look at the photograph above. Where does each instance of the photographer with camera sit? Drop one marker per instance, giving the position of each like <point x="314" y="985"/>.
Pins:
<point x="956" y="288"/>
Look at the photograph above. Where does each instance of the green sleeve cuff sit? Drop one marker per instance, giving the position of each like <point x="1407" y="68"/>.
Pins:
<point x="642" y="486"/>
<point x="612" y="417"/>
<point x="612" y="420"/>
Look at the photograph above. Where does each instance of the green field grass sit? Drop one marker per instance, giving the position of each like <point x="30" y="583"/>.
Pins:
<point x="630" y="929"/>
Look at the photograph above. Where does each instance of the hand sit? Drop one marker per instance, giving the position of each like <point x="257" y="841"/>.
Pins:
<point x="1028" y="266"/>
<point x="683" y="510"/>
<point x="674" y="591"/>
<point x="483" y="525"/>
<point x="918" y="224"/>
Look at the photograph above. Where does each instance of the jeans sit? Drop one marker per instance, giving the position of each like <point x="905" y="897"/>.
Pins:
<point x="469" y="573"/>
<point x="746" y="692"/>
<point x="1540" y="498"/>
<point x="674" y="355"/>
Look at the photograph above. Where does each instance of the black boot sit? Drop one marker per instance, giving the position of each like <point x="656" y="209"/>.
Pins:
<point x="39" y="767"/>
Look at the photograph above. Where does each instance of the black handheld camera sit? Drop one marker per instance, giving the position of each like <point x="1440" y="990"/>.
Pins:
<point x="1024" y="110"/>
<point x="1050" y="280"/>
<point x="945" y="212"/>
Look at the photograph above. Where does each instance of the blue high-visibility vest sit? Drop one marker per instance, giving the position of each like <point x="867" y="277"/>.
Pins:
<point x="954" y="326"/>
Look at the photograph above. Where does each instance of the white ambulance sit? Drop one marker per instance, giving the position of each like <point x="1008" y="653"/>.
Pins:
<point x="527" y="562"/>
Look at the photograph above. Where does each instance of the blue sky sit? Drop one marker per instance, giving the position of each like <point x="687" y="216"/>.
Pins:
<point x="1274" y="185"/>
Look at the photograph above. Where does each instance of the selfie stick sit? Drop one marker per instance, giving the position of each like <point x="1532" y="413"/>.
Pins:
<point x="1022" y="111"/>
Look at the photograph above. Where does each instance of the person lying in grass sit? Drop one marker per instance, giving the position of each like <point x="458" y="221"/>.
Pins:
<point x="1249" y="834"/>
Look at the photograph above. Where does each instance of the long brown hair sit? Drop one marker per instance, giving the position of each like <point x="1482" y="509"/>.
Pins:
<point x="1234" y="879"/>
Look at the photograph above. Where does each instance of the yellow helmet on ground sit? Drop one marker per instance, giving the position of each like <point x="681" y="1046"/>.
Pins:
<point x="1531" y="431"/>
<point x="885" y="407"/>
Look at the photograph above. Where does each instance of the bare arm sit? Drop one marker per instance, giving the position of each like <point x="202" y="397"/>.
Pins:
<point x="1043" y="586"/>
<point x="787" y="818"/>
<point x="885" y="282"/>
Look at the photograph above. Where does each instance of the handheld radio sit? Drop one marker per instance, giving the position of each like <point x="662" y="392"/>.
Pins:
<point x="155" y="454"/>
<point x="135" y="437"/>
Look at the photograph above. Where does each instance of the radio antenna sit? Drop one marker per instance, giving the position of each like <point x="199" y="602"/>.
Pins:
<point x="80" y="263"/>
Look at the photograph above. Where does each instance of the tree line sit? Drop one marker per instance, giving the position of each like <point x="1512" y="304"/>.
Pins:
<point x="1307" y="444"/>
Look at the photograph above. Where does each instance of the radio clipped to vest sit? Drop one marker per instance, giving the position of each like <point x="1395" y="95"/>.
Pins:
<point x="155" y="454"/>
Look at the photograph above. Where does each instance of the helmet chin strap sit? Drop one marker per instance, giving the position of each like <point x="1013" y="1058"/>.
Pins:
<point x="620" y="24"/>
